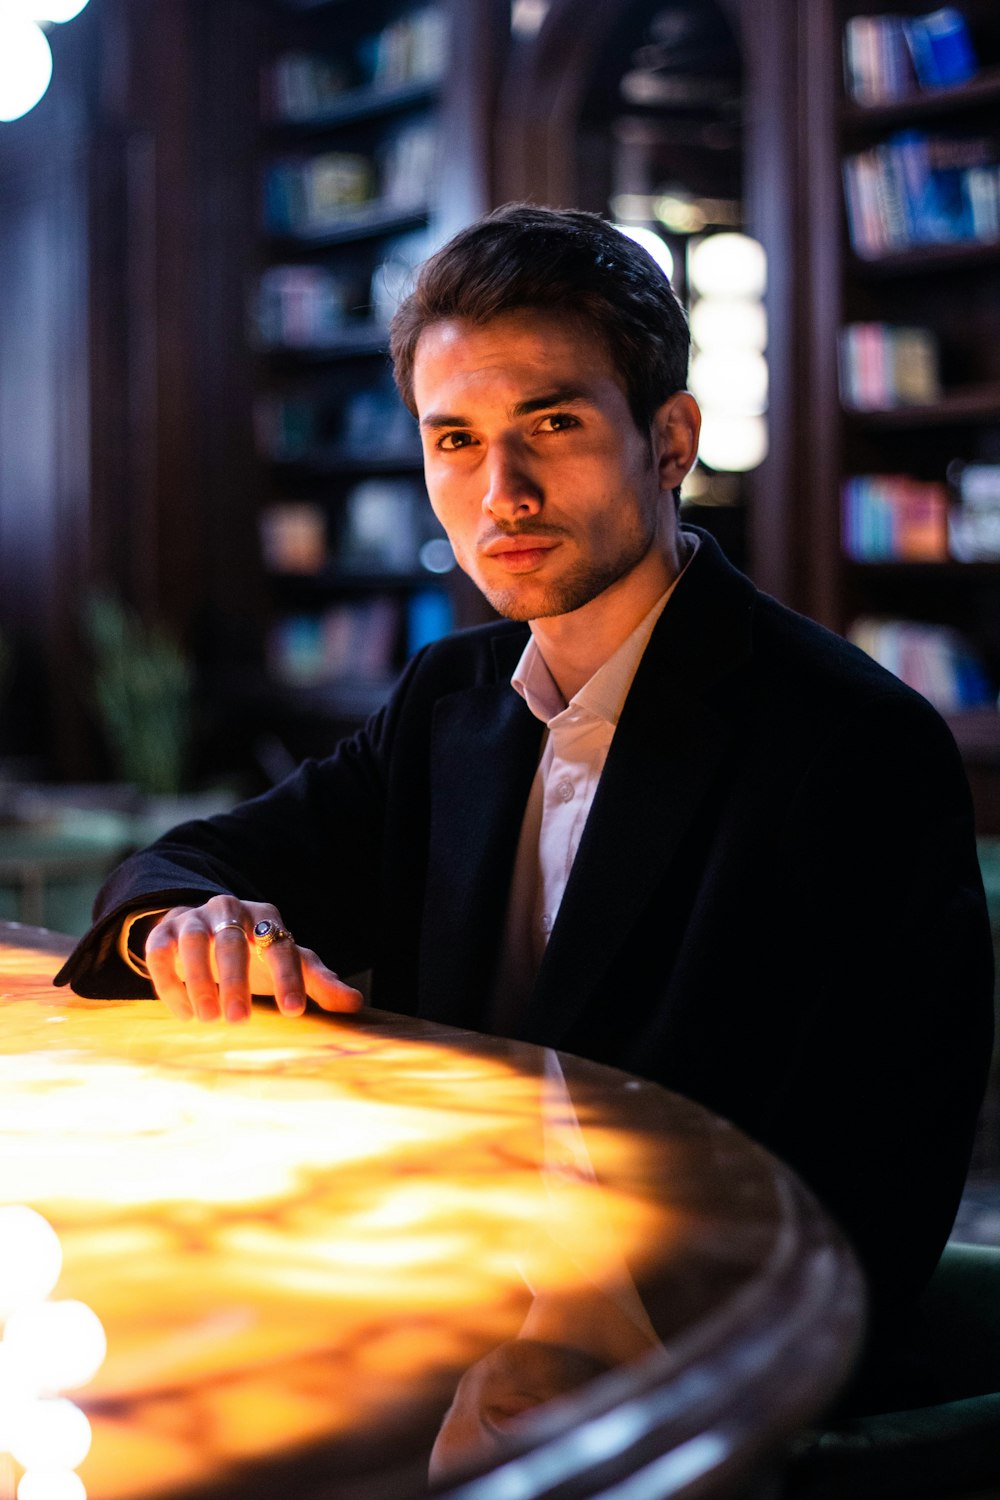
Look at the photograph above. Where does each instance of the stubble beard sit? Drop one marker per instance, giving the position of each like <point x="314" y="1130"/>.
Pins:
<point x="571" y="592"/>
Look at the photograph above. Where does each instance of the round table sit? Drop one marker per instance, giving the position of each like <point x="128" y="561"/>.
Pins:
<point x="330" y="1254"/>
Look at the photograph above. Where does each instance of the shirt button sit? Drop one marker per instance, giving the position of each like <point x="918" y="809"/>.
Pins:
<point x="546" y="922"/>
<point x="564" y="791"/>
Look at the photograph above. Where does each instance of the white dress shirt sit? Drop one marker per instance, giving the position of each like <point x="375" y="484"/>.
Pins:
<point x="574" y="748"/>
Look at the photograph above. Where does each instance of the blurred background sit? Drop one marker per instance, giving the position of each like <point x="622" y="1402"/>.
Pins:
<point x="215" y="548"/>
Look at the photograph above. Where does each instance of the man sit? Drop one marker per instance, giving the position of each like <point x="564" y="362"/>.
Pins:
<point x="698" y="838"/>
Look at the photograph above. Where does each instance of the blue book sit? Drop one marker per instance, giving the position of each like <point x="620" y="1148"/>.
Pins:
<point x="929" y="196"/>
<point x="941" y="48"/>
<point x="428" y="617"/>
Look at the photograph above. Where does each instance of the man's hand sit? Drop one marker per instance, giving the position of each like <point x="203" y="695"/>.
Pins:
<point x="203" y="962"/>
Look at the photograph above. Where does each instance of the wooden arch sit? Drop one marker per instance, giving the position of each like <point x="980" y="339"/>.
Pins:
<point x="542" y="95"/>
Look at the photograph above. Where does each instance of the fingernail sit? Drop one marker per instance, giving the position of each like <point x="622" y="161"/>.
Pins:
<point x="237" y="1010"/>
<point x="294" y="1005"/>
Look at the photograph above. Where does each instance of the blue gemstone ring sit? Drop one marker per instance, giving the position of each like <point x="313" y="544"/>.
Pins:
<point x="266" y="933"/>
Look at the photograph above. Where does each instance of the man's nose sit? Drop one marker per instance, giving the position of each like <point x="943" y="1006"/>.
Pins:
<point x="513" y="491"/>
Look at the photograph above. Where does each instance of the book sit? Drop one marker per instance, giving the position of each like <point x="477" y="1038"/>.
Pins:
<point x="302" y="86"/>
<point x="921" y="189"/>
<point x="310" y="195"/>
<point x="293" y="537"/>
<point x="974" y="522"/>
<point x="894" y="518"/>
<point x="394" y="275"/>
<point x="878" y="64"/>
<point x="941" y="48"/>
<point x="408" y="160"/>
<point x="413" y="49"/>
<point x="884" y="366"/>
<point x="934" y="660"/>
<point x="386" y="523"/>
<point x="349" y="642"/>
<point x="429" y="616"/>
<point x="302" y="307"/>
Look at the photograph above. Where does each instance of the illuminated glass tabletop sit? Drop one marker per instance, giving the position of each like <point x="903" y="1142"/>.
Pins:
<point x="360" y="1257"/>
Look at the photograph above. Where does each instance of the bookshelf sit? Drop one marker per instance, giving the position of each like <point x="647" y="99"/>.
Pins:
<point x="356" y="104"/>
<point x="884" y="249"/>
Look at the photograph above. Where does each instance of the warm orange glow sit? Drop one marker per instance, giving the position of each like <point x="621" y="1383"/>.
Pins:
<point x="291" y="1230"/>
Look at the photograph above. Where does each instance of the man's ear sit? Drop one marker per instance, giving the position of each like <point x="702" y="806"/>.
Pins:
<point x="675" y="431"/>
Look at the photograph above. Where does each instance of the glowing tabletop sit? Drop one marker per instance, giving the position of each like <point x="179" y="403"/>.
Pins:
<point x="308" y="1239"/>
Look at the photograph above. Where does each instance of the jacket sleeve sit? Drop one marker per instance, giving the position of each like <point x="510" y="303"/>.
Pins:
<point x="879" y="1106"/>
<point x="312" y="846"/>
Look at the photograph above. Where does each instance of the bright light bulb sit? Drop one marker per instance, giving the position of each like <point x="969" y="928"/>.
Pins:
<point x="50" y="1433"/>
<point x="25" y="65"/>
<point x="30" y="1254"/>
<point x="728" y="265"/>
<point x="733" y="381"/>
<point x="728" y="323"/>
<point x="733" y="445"/>
<point x="49" y="1483"/>
<point x="58" y="1345"/>
<point x="650" y="241"/>
<point x="46" y="10"/>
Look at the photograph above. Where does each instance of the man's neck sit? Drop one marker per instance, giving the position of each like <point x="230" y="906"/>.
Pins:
<point x="575" y="645"/>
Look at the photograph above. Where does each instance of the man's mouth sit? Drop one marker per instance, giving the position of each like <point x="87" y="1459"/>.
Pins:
<point x="520" y="548"/>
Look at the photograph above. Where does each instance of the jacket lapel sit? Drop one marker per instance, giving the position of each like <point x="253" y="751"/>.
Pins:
<point x="485" y="744"/>
<point x="678" y="723"/>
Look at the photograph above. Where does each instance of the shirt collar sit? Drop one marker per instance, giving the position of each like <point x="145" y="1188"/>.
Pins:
<point x="602" y="695"/>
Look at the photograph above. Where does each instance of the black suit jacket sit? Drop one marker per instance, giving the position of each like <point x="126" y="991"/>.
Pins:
<point x="776" y="907"/>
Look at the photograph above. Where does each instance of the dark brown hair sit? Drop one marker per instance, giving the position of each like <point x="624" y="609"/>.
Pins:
<point x="562" y="261"/>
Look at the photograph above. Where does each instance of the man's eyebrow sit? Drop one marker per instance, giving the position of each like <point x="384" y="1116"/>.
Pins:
<point x="563" y="395"/>
<point x="442" y="419"/>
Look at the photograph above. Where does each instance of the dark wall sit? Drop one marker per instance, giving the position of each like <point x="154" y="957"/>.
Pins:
<point x="126" y="459"/>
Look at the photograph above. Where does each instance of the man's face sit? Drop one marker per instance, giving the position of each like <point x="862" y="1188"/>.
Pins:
<point x="534" y="465"/>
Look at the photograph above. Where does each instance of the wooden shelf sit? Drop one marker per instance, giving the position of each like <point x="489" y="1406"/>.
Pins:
<point x="364" y="341"/>
<point x="351" y="244"/>
<point x="954" y="255"/>
<point x="349" y="699"/>
<point x="325" y="466"/>
<point x="969" y="404"/>
<point x="977" y="734"/>
<point x="355" y="105"/>
<point x="924" y="104"/>
<point x="368" y="223"/>
<point x="317" y="586"/>
<point x="949" y="570"/>
<point x="300" y="7"/>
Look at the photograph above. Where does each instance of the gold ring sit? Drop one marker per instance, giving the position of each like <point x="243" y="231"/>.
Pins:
<point x="266" y="933"/>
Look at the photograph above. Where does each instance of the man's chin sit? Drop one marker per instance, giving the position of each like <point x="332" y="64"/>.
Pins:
<point x="545" y="603"/>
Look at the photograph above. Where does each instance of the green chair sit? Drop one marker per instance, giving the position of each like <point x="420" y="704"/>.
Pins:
<point x="942" y="1451"/>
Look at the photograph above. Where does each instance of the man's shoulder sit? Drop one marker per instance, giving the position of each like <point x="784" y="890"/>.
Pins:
<point x="795" y="669"/>
<point x="827" y="680"/>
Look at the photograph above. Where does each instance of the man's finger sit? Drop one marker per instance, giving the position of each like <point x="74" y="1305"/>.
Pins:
<point x="284" y="967"/>
<point x="232" y="965"/>
<point x="194" y="945"/>
<point x="161" y="951"/>
<point x="327" y="988"/>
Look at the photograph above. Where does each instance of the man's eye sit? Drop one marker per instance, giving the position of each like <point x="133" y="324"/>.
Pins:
<point x="557" y="421"/>
<point x="452" y="440"/>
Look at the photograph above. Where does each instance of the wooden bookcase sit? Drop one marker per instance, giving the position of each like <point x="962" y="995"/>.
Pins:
<point x="952" y="289"/>
<point x="357" y="103"/>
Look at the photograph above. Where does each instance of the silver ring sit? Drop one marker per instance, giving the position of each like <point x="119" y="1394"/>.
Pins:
<point x="265" y="933"/>
<point x="229" y="922"/>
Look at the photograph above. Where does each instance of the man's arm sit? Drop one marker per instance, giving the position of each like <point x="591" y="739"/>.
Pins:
<point x="894" y="1039"/>
<point x="308" y="852"/>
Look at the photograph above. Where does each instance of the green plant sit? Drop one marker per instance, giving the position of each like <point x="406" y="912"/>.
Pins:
<point x="143" y="692"/>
